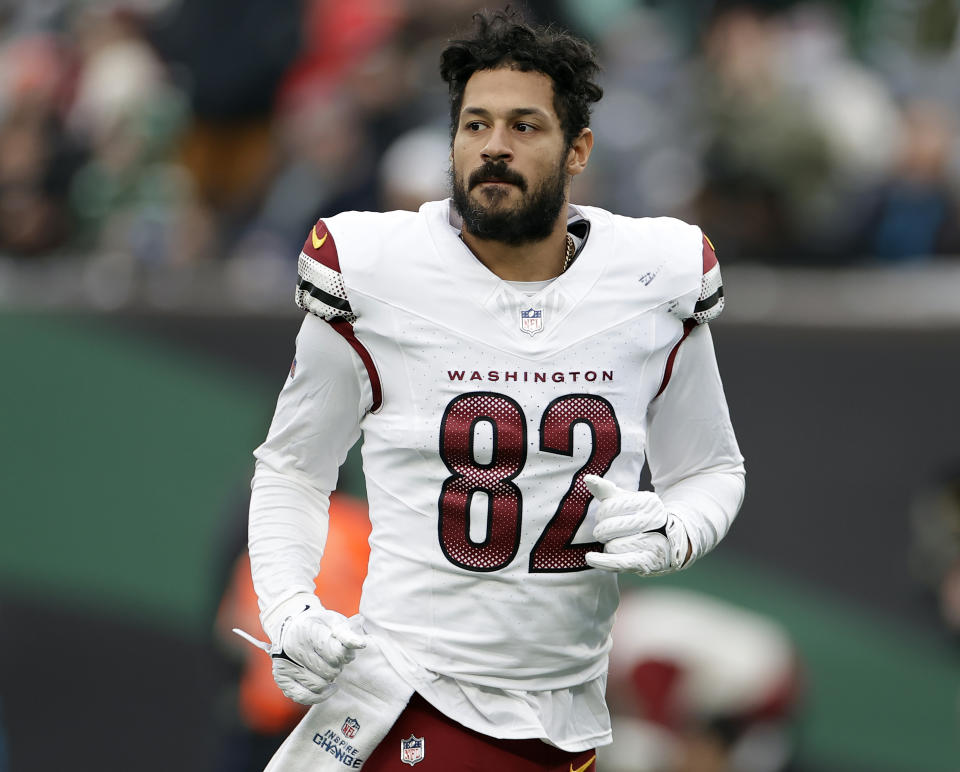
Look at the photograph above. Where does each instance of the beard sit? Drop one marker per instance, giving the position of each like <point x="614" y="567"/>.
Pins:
<point x="531" y="220"/>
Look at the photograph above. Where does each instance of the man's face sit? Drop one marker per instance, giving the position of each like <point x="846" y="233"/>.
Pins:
<point x="509" y="168"/>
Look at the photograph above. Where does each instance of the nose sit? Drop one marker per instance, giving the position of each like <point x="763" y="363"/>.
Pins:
<point x="497" y="147"/>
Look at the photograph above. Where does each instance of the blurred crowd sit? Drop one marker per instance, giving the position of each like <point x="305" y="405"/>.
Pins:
<point x="164" y="132"/>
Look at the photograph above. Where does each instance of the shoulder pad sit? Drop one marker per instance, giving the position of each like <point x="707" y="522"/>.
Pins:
<point x="320" y="287"/>
<point x="709" y="303"/>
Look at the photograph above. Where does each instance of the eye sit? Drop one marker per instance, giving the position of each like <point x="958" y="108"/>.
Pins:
<point x="473" y="126"/>
<point x="525" y="128"/>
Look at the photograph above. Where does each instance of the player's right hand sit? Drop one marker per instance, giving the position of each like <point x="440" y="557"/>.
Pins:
<point x="310" y="651"/>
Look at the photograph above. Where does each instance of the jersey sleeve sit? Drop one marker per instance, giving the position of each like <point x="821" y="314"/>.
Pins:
<point x="697" y="306"/>
<point x="695" y="462"/>
<point x="321" y="291"/>
<point x="316" y="422"/>
<point x="320" y="287"/>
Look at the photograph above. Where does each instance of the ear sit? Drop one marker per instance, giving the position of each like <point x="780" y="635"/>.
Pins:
<point x="579" y="153"/>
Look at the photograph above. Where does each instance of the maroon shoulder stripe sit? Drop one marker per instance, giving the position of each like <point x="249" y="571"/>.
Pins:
<point x="709" y="254"/>
<point x="346" y="330"/>
<point x="321" y="247"/>
<point x="688" y="325"/>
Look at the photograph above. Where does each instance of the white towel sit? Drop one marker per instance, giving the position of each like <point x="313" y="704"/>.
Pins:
<point x="342" y="731"/>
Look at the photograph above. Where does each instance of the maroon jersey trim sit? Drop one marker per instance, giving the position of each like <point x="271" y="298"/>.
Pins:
<point x="346" y="330"/>
<point x="709" y="255"/>
<point x="688" y="325"/>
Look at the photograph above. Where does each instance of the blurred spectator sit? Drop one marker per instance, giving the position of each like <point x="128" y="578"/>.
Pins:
<point x="857" y="117"/>
<point x="229" y="58"/>
<point x="647" y="158"/>
<point x="340" y="109"/>
<point x="130" y="197"/>
<point x="766" y="159"/>
<point x="415" y="169"/>
<point x="913" y="214"/>
<point x="935" y="546"/>
<point x="37" y="156"/>
<point x="323" y="157"/>
<point x="362" y="28"/>
<point x="855" y="110"/>
<point x="914" y="46"/>
<point x="699" y="685"/>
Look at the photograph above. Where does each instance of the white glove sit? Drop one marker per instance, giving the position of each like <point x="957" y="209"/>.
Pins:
<point x="638" y="534"/>
<point x="310" y="651"/>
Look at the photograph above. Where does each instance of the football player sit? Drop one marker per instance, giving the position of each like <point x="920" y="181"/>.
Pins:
<point x="698" y="684"/>
<point x="511" y="360"/>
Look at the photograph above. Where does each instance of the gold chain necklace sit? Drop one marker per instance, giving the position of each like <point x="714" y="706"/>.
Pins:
<point x="568" y="258"/>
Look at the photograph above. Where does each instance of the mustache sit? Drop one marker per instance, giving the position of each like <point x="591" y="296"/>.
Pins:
<point x="497" y="171"/>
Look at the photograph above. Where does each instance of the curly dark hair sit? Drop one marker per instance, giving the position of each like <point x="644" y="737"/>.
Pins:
<point x="502" y="39"/>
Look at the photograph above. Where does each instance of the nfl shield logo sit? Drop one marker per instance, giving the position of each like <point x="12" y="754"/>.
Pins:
<point x="411" y="750"/>
<point x="350" y="727"/>
<point x="531" y="321"/>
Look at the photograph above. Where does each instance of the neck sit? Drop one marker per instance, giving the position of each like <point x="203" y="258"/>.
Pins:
<point x="536" y="261"/>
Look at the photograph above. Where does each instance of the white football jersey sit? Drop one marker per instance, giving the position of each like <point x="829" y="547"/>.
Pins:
<point x="484" y="406"/>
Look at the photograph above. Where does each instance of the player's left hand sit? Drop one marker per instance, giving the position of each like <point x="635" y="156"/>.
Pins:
<point x="637" y="532"/>
<point x="311" y="649"/>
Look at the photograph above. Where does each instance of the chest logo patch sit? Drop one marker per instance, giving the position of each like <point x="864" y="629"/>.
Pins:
<point x="531" y="321"/>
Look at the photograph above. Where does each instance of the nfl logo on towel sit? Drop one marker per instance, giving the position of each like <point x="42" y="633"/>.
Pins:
<point x="531" y="321"/>
<point x="350" y="727"/>
<point x="411" y="750"/>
